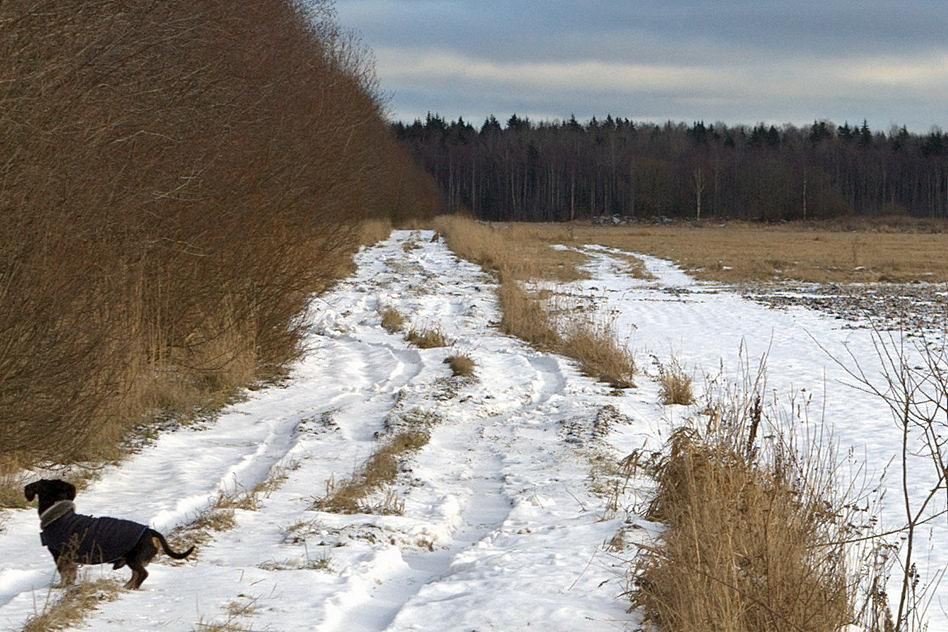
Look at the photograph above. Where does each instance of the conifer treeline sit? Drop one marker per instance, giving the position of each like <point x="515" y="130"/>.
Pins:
<point x="563" y="169"/>
<point x="176" y="178"/>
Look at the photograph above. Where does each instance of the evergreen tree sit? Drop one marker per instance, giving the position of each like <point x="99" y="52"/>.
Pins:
<point x="491" y="125"/>
<point x="865" y="134"/>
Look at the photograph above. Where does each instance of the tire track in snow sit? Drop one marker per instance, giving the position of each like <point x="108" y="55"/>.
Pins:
<point x="375" y="600"/>
<point x="367" y="608"/>
<point x="391" y="597"/>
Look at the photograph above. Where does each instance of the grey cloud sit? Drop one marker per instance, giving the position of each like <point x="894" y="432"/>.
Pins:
<point x="724" y="60"/>
<point x="539" y="30"/>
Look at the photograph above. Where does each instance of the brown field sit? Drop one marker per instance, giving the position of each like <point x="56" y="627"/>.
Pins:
<point x="739" y="252"/>
<point x="748" y="252"/>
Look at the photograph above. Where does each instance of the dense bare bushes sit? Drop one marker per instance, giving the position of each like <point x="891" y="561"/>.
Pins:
<point x="176" y="178"/>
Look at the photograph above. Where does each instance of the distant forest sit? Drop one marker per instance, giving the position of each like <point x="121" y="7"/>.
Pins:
<point x="562" y="170"/>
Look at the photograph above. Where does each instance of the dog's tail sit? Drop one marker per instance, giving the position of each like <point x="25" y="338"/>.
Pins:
<point x="167" y="548"/>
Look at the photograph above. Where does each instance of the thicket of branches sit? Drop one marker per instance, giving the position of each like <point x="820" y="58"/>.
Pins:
<point x="175" y="178"/>
<point x="566" y="169"/>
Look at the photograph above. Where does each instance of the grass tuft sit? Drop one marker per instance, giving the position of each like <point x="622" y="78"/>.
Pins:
<point x="676" y="385"/>
<point x="323" y="563"/>
<point x="231" y="624"/>
<point x="461" y="365"/>
<point x="392" y="320"/>
<point x="380" y="469"/>
<point x="76" y="603"/>
<point x="427" y="338"/>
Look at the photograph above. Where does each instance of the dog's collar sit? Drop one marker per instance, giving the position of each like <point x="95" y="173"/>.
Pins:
<point x="57" y="511"/>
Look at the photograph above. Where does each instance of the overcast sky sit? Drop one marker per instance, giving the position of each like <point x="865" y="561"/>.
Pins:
<point x="712" y="60"/>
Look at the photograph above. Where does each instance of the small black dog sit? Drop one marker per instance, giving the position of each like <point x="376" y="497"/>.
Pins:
<point x="75" y="539"/>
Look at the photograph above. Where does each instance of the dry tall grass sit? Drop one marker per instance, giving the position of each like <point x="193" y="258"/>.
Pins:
<point x="172" y="193"/>
<point x="375" y="230"/>
<point x="600" y="353"/>
<point x="753" y="541"/>
<point x="524" y="316"/>
<point x="518" y="253"/>
<point x="676" y="385"/>
<point x="380" y="469"/>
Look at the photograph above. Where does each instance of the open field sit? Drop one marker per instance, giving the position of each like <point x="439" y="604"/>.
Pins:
<point x="400" y="493"/>
<point x="741" y="252"/>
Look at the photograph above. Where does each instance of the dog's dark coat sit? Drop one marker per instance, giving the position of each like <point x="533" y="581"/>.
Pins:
<point x="91" y="540"/>
<point x="77" y="539"/>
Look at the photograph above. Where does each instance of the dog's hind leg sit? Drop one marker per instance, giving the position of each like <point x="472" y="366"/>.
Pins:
<point x="139" y="574"/>
<point x="137" y="559"/>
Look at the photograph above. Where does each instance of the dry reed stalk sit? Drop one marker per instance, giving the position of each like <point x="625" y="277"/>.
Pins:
<point x="755" y="539"/>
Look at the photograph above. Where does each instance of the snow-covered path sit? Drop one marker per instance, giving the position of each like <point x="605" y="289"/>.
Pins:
<point x="500" y="529"/>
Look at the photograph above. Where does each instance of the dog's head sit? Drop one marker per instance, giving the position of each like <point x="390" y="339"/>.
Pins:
<point x="49" y="492"/>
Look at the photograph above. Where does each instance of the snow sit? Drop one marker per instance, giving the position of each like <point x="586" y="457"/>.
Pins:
<point x="714" y="332"/>
<point x="501" y="528"/>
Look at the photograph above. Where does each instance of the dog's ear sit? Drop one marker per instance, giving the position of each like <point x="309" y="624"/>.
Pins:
<point x="30" y="491"/>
